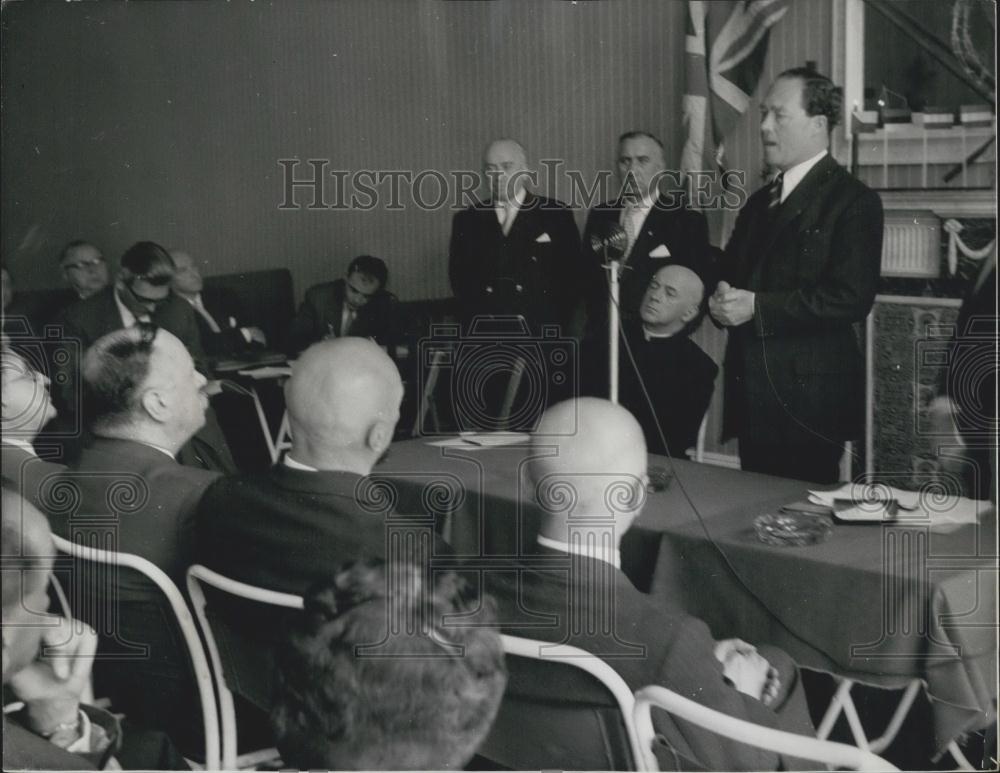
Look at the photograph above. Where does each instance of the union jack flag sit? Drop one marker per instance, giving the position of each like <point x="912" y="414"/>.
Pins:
<point x="726" y="43"/>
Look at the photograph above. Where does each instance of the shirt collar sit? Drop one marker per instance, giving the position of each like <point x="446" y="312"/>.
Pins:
<point x="519" y="197"/>
<point x="161" y="449"/>
<point x="294" y="465"/>
<point x="791" y="178"/>
<point x="612" y="557"/>
<point x="128" y="318"/>
<point x="24" y="445"/>
<point x="649" y="334"/>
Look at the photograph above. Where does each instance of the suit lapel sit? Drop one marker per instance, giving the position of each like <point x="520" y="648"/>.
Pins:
<point x="805" y="193"/>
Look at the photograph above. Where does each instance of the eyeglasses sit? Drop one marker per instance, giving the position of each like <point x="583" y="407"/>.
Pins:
<point x="363" y="294"/>
<point x="84" y="265"/>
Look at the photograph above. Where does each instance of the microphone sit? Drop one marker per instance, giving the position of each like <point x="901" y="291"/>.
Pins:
<point x="611" y="241"/>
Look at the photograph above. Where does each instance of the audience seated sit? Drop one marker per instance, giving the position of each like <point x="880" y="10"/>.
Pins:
<point x="144" y="400"/>
<point x="54" y="730"/>
<point x="663" y="366"/>
<point x="285" y="529"/>
<point x="141" y="293"/>
<point x="221" y="322"/>
<point x="25" y="408"/>
<point x="357" y="693"/>
<point x="586" y="601"/>
<point x="358" y="305"/>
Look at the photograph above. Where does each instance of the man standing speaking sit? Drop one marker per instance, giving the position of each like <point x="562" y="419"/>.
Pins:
<point x="800" y="268"/>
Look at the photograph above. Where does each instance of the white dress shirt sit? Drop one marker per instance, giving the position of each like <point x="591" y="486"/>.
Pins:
<point x="792" y="177"/>
<point x="608" y="556"/>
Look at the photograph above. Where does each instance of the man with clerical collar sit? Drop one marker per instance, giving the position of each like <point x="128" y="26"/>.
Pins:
<point x="26" y="408"/>
<point x="665" y="379"/>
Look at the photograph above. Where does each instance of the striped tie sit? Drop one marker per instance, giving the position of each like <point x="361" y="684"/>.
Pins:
<point x="774" y="195"/>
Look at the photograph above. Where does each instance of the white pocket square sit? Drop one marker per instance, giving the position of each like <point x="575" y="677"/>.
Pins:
<point x="660" y="252"/>
<point x="543" y="239"/>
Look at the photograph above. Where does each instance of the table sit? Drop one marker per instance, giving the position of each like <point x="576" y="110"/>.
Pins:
<point x="879" y="604"/>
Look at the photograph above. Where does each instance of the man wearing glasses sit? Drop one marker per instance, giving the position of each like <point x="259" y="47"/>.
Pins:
<point x="84" y="268"/>
<point x="358" y="305"/>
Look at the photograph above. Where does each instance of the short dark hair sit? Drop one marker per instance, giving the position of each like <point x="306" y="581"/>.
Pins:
<point x="819" y="94"/>
<point x="149" y="261"/>
<point x="425" y="700"/>
<point x="636" y="134"/>
<point x="371" y="266"/>
<point x="72" y="246"/>
<point x="114" y="369"/>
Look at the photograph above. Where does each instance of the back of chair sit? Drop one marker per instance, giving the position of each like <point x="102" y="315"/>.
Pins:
<point x="564" y="709"/>
<point x="149" y="651"/>
<point x="837" y="754"/>
<point x="218" y="631"/>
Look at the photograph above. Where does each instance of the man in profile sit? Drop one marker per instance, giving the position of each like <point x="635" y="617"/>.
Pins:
<point x="658" y="225"/>
<point x="572" y="591"/>
<point x="800" y="268"/>
<point x="357" y="305"/>
<point x="25" y="407"/>
<point x="222" y="326"/>
<point x="144" y="401"/>
<point x="47" y="663"/>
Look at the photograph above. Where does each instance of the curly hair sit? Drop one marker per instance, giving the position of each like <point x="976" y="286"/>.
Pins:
<point x="819" y="95"/>
<point x="378" y="673"/>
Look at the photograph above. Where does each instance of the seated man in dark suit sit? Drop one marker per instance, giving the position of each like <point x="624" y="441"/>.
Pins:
<point x="221" y="322"/>
<point x="286" y="529"/>
<point x="572" y="591"/>
<point x="144" y="400"/>
<point x="677" y="374"/>
<point x="141" y="293"/>
<point x="358" y="305"/>
<point x="25" y="408"/>
<point x="54" y="730"/>
<point x="423" y="699"/>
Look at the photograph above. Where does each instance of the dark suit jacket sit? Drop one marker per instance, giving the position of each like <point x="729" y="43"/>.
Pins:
<point x="282" y="531"/>
<point x="87" y="320"/>
<point x="651" y="645"/>
<point x="533" y="271"/>
<point x="678" y="377"/>
<point x="321" y="313"/>
<point x="28" y="472"/>
<point x="155" y="496"/>
<point x="225" y="307"/>
<point x="681" y="230"/>
<point x="796" y="370"/>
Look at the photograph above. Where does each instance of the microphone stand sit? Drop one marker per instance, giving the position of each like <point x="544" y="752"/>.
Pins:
<point x="613" y="267"/>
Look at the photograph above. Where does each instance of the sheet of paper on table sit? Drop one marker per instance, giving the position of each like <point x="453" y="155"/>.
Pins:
<point x="270" y="371"/>
<point x="476" y="441"/>
<point x="942" y="512"/>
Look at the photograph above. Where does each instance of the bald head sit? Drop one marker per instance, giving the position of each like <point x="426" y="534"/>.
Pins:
<point x="343" y="404"/>
<point x="597" y="448"/>
<point x="672" y="300"/>
<point x="506" y="166"/>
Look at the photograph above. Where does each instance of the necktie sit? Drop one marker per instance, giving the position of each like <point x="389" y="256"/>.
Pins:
<point x="200" y="308"/>
<point x="633" y="225"/>
<point x="774" y="195"/>
<point x="506" y="215"/>
<point x="348" y="322"/>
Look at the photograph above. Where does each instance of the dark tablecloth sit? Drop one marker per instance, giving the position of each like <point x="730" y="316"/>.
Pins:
<point x="881" y="604"/>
